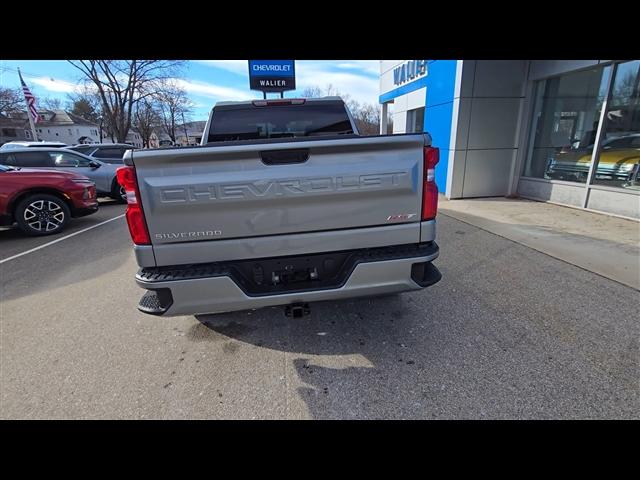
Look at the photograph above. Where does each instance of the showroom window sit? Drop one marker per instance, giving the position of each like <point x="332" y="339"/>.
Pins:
<point x="415" y="120"/>
<point x="566" y="115"/>
<point x="619" y="158"/>
<point x="565" y="121"/>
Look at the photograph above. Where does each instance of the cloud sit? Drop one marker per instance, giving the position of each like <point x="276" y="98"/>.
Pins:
<point x="363" y="88"/>
<point x="235" y="66"/>
<point x="217" y="92"/>
<point x="54" y="85"/>
<point x="371" y="67"/>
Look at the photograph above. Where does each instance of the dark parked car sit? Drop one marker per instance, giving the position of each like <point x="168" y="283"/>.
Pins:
<point x="105" y="152"/>
<point x="101" y="173"/>
<point x="42" y="201"/>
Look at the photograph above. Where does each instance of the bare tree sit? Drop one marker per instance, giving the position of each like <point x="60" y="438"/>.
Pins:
<point x="86" y="103"/>
<point x="146" y="119"/>
<point x="51" y="103"/>
<point x="121" y="84"/>
<point x="365" y="115"/>
<point x="312" y="92"/>
<point x="11" y="100"/>
<point x="172" y="106"/>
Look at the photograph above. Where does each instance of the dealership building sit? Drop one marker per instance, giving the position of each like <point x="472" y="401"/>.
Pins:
<point x="562" y="131"/>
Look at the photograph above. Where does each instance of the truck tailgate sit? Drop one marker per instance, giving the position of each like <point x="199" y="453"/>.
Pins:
<point x="241" y="191"/>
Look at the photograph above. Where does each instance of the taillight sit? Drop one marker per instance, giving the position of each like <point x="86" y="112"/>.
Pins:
<point x="135" y="216"/>
<point x="430" y="189"/>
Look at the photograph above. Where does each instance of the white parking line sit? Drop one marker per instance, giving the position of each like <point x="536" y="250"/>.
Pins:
<point x="61" y="239"/>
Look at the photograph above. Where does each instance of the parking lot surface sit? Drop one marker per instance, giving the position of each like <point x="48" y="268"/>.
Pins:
<point x="509" y="332"/>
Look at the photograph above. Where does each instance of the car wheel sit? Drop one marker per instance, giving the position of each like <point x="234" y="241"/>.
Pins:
<point x="118" y="193"/>
<point x="42" y="214"/>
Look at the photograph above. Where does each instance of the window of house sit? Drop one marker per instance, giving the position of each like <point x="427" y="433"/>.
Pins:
<point x="27" y="134"/>
<point x="70" y="131"/>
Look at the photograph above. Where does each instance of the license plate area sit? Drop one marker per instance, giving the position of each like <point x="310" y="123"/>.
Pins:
<point x="291" y="273"/>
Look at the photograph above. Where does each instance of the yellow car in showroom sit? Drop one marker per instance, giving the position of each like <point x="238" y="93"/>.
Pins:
<point x="619" y="163"/>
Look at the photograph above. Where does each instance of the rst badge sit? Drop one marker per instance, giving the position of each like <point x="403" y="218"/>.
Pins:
<point x="401" y="217"/>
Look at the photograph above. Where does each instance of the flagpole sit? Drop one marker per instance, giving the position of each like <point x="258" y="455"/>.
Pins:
<point x="33" y="127"/>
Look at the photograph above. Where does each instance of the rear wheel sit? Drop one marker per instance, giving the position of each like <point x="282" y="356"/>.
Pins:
<point x="42" y="214"/>
<point x="117" y="192"/>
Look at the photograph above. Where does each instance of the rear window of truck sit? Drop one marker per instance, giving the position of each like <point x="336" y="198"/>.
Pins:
<point x="249" y="122"/>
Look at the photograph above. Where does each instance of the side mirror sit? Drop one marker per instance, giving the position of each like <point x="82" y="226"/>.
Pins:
<point x="94" y="164"/>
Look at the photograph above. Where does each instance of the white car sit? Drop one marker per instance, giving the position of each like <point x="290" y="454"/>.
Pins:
<point x="19" y="144"/>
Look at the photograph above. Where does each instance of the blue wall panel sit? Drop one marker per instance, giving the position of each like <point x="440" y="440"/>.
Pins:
<point x="440" y="82"/>
<point x="437" y="121"/>
<point x="440" y="85"/>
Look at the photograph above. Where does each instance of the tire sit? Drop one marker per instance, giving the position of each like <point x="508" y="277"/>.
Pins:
<point x="117" y="192"/>
<point x="42" y="214"/>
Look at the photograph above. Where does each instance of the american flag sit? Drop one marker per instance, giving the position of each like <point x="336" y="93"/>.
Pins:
<point x="30" y="99"/>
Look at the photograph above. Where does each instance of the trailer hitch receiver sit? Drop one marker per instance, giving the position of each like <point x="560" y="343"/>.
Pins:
<point x="297" y="310"/>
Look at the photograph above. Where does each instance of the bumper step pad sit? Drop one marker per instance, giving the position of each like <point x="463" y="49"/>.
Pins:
<point x="155" y="302"/>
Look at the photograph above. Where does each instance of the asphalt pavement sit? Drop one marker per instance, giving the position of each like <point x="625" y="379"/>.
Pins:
<point x="509" y="332"/>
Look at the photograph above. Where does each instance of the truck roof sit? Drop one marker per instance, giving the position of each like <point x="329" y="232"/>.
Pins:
<point x="276" y="100"/>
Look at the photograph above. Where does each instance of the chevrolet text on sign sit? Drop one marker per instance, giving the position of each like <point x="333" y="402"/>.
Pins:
<point x="272" y="75"/>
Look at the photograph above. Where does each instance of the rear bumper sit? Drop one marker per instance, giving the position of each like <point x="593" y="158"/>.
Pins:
<point x="220" y="293"/>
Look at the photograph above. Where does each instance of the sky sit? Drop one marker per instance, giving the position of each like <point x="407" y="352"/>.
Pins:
<point x="207" y="81"/>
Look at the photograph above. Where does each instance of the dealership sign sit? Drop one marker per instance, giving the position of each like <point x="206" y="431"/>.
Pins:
<point x="272" y="75"/>
<point x="409" y="71"/>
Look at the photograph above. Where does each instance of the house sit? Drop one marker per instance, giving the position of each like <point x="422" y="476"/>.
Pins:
<point x="14" y="129"/>
<point x="61" y="126"/>
<point x="193" y="135"/>
<point x="133" y="138"/>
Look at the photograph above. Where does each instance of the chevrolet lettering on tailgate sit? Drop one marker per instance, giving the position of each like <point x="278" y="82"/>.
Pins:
<point x="275" y="188"/>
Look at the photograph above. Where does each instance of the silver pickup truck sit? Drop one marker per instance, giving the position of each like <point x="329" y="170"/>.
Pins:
<point x="283" y="203"/>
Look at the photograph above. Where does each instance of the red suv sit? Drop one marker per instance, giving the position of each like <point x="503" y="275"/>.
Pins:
<point x="42" y="201"/>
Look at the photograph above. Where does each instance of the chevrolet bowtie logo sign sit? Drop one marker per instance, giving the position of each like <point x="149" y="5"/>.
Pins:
<point x="272" y="75"/>
<point x="409" y="71"/>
